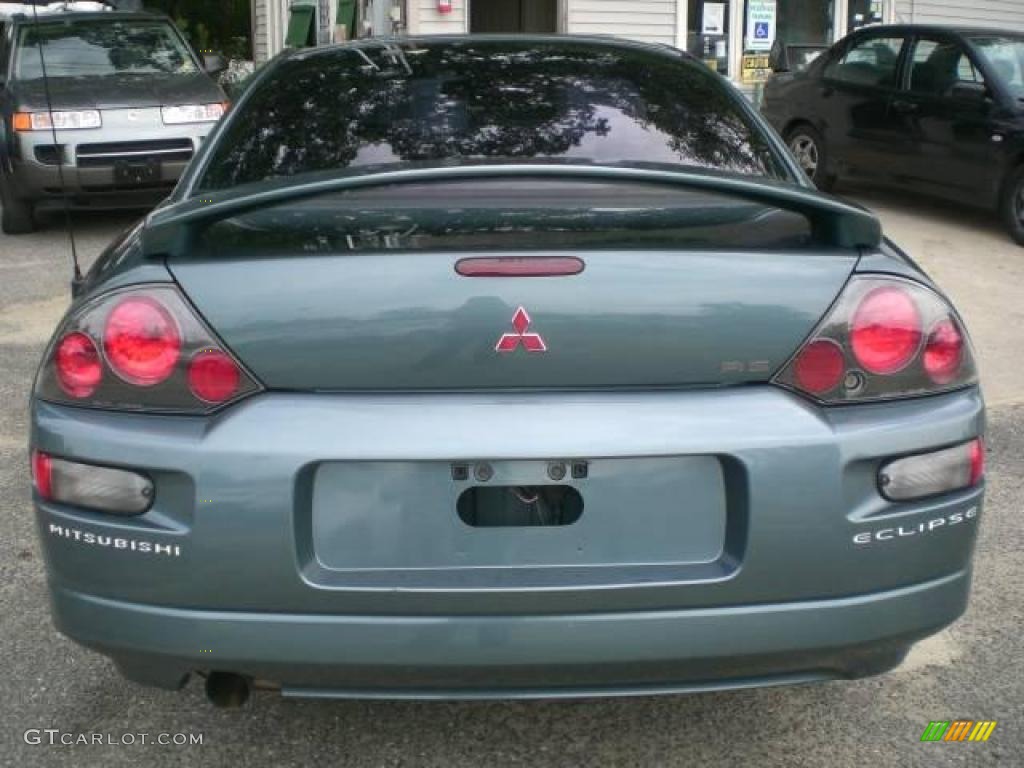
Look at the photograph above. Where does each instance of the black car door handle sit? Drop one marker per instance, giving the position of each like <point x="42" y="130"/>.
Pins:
<point x="906" y="107"/>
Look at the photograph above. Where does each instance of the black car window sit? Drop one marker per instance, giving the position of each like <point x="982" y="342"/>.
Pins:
<point x="423" y="104"/>
<point x="3" y="51"/>
<point x="1005" y="57"/>
<point x="97" y="48"/>
<point x="938" y="65"/>
<point x="874" y="61"/>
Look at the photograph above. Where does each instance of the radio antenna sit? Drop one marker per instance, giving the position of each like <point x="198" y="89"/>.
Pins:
<point x="76" y="271"/>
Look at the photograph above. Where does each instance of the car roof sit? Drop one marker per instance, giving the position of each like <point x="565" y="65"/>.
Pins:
<point x="597" y="41"/>
<point x="960" y="31"/>
<point x="51" y="17"/>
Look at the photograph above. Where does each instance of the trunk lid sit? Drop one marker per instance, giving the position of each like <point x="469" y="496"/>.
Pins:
<point x="359" y="290"/>
<point x="408" y="321"/>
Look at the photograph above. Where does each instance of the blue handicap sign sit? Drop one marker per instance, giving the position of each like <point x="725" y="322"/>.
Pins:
<point x="761" y="30"/>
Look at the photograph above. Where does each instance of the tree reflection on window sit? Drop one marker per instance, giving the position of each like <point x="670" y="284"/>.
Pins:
<point x="486" y="101"/>
<point x="100" y="48"/>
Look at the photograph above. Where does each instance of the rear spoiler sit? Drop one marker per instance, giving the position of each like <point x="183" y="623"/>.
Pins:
<point x="170" y="230"/>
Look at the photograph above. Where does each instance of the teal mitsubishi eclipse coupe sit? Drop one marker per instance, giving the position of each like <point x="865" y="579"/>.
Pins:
<point x="504" y="367"/>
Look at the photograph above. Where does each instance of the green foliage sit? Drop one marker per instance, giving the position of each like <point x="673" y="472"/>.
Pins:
<point x="223" y="26"/>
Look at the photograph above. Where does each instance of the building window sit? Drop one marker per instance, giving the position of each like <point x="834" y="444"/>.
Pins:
<point x="707" y="34"/>
<point x="797" y="22"/>
<point x="861" y="13"/>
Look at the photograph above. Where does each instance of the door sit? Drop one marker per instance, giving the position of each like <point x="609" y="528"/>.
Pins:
<point x="858" y="87"/>
<point x="513" y="16"/>
<point x="945" y="117"/>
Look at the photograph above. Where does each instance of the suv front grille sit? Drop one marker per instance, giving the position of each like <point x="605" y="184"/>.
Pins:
<point x="94" y="155"/>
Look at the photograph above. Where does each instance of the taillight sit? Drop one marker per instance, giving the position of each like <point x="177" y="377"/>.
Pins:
<point x="42" y="474"/>
<point x="78" y="364"/>
<point x="819" y="366"/>
<point x="117" y="491"/>
<point x="141" y="349"/>
<point x="886" y="330"/>
<point x="943" y="352"/>
<point x="884" y="338"/>
<point x="977" y="461"/>
<point x="933" y="473"/>
<point x="142" y="341"/>
<point x="213" y="376"/>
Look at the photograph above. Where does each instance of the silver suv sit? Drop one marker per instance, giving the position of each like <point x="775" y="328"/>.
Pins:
<point x="130" y="104"/>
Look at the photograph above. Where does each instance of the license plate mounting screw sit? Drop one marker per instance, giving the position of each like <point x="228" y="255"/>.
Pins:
<point x="556" y="471"/>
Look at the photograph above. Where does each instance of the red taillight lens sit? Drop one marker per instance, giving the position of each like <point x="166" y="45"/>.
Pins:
<point x="819" y="367"/>
<point x="977" y="461"/>
<point x="213" y="376"/>
<point x="943" y="352"/>
<point x="79" y="369"/>
<point x="886" y="330"/>
<point x="142" y="341"/>
<point x="42" y="474"/>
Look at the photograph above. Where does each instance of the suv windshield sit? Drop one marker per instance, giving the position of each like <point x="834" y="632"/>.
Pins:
<point x="486" y="101"/>
<point x="1005" y="55"/>
<point x="103" y="47"/>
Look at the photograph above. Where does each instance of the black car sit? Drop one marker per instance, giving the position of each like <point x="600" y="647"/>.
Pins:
<point x="939" y="110"/>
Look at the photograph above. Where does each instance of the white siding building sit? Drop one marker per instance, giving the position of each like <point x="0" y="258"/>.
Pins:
<point x="269" y="22"/>
<point x="1001" y="14"/>
<point x="721" y="32"/>
<point x="653" y="21"/>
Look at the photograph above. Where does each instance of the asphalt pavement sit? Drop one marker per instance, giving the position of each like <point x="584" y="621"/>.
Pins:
<point x="971" y="670"/>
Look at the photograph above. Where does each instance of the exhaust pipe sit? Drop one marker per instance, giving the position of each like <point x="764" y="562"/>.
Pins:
<point x="227" y="690"/>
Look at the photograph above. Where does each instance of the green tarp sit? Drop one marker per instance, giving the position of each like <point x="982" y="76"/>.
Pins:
<point x="347" y="16"/>
<point x="300" y="27"/>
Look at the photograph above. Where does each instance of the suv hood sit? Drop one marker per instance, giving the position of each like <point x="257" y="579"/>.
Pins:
<point x="118" y="92"/>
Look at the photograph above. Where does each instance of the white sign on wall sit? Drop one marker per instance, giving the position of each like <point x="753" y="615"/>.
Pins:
<point x="713" y="21"/>
<point x="761" y="24"/>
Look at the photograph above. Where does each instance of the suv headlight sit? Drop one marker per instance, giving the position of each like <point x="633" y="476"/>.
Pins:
<point x="192" y="113"/>
<point x="62" y="121"/>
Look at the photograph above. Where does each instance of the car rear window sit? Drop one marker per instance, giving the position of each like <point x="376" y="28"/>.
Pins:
<point x="416" y="104"/>
<point x="502" y="214"/>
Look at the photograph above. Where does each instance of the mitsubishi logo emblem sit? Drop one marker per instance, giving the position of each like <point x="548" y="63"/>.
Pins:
<point x="509" y="342"/>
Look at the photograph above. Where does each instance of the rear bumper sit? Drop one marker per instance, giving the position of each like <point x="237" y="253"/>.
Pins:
<point x="816" y="575"/>
<point x="520" y="656"/>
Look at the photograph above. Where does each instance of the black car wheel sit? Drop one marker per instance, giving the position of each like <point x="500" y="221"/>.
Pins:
<point x="17" y="216"/>
<point x="808" y="147"/>
<point x="1013" y="205"/>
